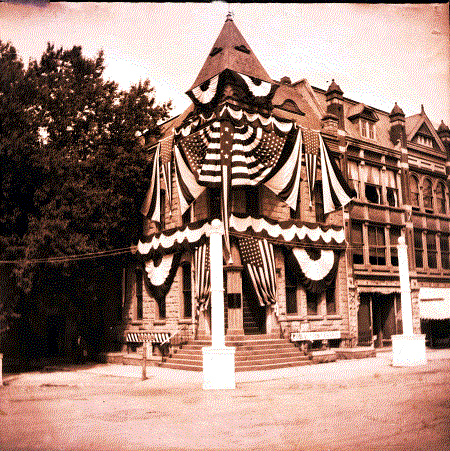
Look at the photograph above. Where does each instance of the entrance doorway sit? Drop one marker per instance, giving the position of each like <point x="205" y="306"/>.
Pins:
<point x="254" y="316"/>
<point x="378" y="318"/>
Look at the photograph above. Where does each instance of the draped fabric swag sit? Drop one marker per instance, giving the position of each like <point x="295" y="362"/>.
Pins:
<point x="314" y="274"/>
<point x="160" y="274"/>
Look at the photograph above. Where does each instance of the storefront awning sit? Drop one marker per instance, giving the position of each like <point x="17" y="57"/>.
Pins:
<point x="434" y="303"/>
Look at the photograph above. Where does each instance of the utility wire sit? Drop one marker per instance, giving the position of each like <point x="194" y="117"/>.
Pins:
<point x="76" y="257"/>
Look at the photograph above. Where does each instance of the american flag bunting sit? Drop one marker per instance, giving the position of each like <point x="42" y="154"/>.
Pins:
<point x="258" y="257"/>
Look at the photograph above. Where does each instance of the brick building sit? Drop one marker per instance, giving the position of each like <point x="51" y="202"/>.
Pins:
<point x="296" y="152"/>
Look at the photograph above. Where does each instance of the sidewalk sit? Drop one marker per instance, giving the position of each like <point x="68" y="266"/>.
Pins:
<point x="325" y="372"/>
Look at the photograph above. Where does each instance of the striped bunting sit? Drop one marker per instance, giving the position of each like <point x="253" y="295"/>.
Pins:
<point x="311" y="140"/>
<point x="336" y="192"/>
<point x="257" y="256"/>
<point x="166" y="164"/>
<point x="202" y="276"/>
<point x="151" y="207"/>
<point x="286" y="182"/>
<point x="254" y="153"/>
<point x="154" y="337"/>
<point x="187" y="186"/>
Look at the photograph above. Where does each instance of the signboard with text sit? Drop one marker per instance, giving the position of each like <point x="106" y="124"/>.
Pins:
<point x="312" y="336"/>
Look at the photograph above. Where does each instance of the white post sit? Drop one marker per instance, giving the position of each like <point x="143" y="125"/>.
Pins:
<point x="218" y="360"/>
<point x="405" y="288"/>
<point x="217" y="298"/>
<point x="408" y="349"/>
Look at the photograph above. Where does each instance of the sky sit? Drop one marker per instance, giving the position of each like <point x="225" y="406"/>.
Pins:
<point x="379" y="54"/>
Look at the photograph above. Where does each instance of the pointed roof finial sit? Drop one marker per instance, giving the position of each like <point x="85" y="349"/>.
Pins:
<point x="230" y="14"/>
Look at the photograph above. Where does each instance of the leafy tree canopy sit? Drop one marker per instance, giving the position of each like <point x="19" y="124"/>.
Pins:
<point x="72" y="172"/>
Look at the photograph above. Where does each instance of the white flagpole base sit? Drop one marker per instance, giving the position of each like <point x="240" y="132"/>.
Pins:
<point x="218" y="368"/>
<point x="408" y="350"/>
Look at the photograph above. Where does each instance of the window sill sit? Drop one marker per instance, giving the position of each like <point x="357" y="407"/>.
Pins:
<point x="137" y="322"/>
<point x="159" y="322"/>
<point x="315" y="317"/>
<point x="185" y="321"/>
<point x="334" y="317"/>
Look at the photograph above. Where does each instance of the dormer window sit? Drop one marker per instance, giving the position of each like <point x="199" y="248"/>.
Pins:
<point x="366" y="118"/>
<point x="367" y="128"/>
<point x="424" y="140"/>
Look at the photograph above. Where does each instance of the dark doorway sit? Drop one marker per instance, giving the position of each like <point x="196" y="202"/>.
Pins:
<point x="364" y="321"/>
<point x="378" y="319"/>
<point x="253" y="314"/>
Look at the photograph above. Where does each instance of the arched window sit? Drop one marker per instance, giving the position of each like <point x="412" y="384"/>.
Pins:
<point x="440" y="197"/>
<point x="414" y="189"/>
<point x="427" y="194"/>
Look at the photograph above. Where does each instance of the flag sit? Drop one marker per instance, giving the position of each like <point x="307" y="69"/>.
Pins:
<point x="335" y="189"/>
<point x="187" y="186"/>
<point x="254" y="154"/>
<point x="166" y="164"/>
<point x="286" y="181"/>
<point x="311" y="140"/>
<point x="202" y="276"/>
<point x="258" y="257"/>
<point x="151" y="207"/>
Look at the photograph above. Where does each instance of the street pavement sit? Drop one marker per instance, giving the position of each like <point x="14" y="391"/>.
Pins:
<point x="347" y="405"/>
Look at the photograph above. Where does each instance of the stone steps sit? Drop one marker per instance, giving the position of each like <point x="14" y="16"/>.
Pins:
<point x="253" y="352"/>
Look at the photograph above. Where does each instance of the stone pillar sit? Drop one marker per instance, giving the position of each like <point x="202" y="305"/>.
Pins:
<point x="218" y="360"/>
<point x="408" y="349"/>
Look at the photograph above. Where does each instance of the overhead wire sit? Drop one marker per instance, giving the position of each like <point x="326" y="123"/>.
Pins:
<point x="75" y="257"/>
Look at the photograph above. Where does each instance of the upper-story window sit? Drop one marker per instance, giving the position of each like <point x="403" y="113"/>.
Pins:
<point x="252" y="201"/>
<point x="367" y="128"/>
<point x="431" y="250"/>
<point x="424" y="140"/>
<point x="371" y="174"/>
<point x="356" y="237"/>
<point x="318" y="198"/>
<point x="214" y="201"/>
<point x="353" y="176"/>
<point x="162" y="223"/>
<point x="418" y="248"/>
<point x="427" y="194"/>
<point x="440" y="197"/>
<point x="414" y="190"/>
<point x="391" y="188"/>
<point x="445" y="254"/>
<point x="377" y="245"/>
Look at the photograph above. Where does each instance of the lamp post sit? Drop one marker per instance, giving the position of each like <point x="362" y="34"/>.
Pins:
<point x="408" y="349"/>
<point x="218" y="359"/>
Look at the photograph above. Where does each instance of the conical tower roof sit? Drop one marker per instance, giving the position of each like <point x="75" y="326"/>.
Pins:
<point x="231" y="51"/>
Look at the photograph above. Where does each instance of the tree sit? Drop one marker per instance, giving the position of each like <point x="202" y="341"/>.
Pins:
<point x="87" y="176"/>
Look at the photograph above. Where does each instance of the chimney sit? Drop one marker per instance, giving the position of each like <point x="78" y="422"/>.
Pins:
<point x="335" y="103"/>
<point x="397" y="130"/>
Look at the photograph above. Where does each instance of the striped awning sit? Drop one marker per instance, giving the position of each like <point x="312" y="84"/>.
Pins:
<point x="153" y="337"/>
<point x="434" y="303"/>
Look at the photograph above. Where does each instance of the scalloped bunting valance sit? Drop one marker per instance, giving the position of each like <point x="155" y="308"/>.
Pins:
<point x="286" y="232"/>
<point x="209" y="92"/>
